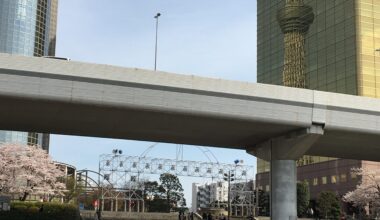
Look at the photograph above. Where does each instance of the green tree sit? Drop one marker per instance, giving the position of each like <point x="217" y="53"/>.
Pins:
<point x="158" y="205"/>
<point x="152" y="197"/>
<point x="328" y="205"/>
<point x="171" y="190"/>
<point x="303" y="198"/>
<point x="264" y="203"/>
<point x="151" y="190"/>
<point x="73" y="189"/>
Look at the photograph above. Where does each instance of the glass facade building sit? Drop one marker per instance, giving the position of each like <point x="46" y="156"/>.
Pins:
<point x="340" y="56"/>
<point x="341" y="46"/>
<point x="28" y="27"/>
<point x="330" y="46"/>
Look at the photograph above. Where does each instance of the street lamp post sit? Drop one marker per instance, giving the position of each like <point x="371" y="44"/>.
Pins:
<point x="229" y="178"/>
<point x="155" y="47"/>
<point x="100" y="197"/>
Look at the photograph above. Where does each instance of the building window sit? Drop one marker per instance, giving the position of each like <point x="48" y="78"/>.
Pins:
<point x="334" y="179"/>
<point x="343" y="178"/>
<point x="324" y="180"/>
<point x="267" y="188"/>
<point x="353" y="176"/>
<point x="315" y="181"/>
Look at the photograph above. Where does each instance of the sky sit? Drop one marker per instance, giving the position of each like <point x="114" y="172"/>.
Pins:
<point x="213" y="38"/>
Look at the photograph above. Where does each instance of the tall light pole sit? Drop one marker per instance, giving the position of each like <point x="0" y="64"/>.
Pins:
<point x="100" y="197"/>
<point x="155" y="47"/>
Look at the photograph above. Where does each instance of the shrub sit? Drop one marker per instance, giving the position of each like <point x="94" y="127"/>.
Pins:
<point x="328" y="205"/>
<point x="31" y="211"/>
<point x="303" y="197"/>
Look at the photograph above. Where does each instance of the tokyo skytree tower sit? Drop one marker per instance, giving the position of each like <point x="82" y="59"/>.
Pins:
<point x="294" y="20"/>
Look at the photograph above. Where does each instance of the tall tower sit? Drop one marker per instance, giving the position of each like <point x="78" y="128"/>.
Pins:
<point x="28" y="28"/>
<point x="294" y="19"/>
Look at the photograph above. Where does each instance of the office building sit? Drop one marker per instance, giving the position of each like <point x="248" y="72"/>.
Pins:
<point x="209" y="195"/>
<point x="340" y="56"/>
<point x="28" y="27"/>
<point x="214" y="196"/>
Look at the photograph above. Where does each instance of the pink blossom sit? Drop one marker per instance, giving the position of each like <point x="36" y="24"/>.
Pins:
<point x="368" y="190"/>
<point x="28" y="169"/>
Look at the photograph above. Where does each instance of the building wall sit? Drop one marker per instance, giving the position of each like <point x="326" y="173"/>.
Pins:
<point x="330" y="52"/>
<point x="333" y="175"/>
<point x="194" y="197"/>
<point x="206" y="194"/>
<point x="368" y="40"/>
<point x="28" y="27"/>
<point x="330" y="46"/>
<point x="264" y="166"/>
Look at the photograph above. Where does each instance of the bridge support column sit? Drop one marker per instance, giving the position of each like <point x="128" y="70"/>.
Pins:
<point x="283" y="194"/>
<point x="282" y="152"/>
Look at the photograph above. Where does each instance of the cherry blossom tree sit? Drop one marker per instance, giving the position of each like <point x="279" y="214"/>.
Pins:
<point x="26" y="170"/>
<point x="367" y="192"/>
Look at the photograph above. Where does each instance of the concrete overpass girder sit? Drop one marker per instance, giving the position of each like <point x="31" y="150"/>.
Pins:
<point x="290" y="146"/>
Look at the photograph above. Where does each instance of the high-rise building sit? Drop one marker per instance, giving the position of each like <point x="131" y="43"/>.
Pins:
<point x="28" y="27"/>
<point x="341" y="55"/>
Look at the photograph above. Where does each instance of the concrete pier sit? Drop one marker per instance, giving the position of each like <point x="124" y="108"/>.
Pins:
<point x="283" y="190"/>
<point x="282" y="152"/>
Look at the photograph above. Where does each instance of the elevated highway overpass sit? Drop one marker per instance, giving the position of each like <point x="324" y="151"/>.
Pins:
<point x="65" y="97"/>
<point x="276" y="123"/>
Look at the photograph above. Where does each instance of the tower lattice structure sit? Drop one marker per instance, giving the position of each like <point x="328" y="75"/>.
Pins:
<point x="294" y="20"/>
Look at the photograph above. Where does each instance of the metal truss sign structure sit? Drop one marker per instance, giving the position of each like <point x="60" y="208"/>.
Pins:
<point x="123" y="176"/>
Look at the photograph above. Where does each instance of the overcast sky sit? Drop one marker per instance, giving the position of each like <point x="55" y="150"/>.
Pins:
<point x="213" y="38"/>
